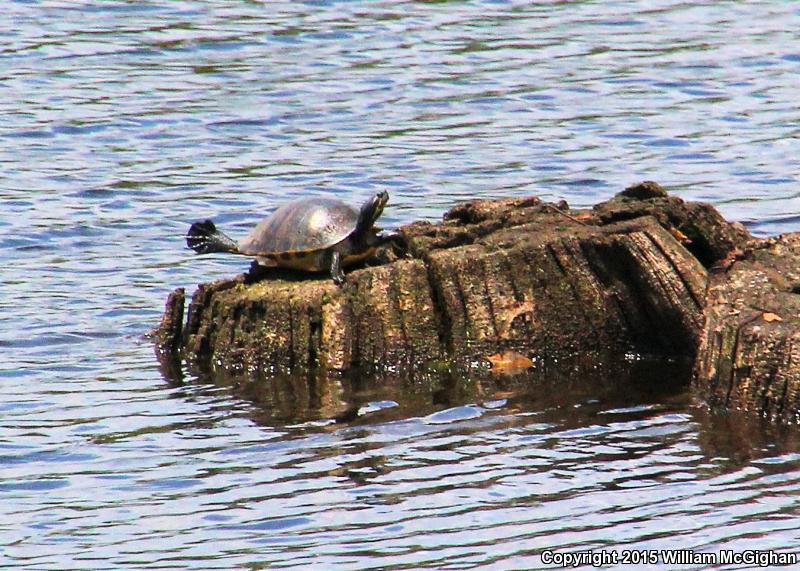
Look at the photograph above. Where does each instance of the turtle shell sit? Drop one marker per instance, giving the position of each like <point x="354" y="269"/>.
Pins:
<point x="302" y="225"/>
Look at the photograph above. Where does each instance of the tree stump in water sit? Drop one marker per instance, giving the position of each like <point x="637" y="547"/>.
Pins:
<point x="496" y="275"/>
<point x="750" y="352"/>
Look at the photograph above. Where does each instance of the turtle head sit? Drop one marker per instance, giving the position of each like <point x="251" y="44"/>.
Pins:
<point x="371" y="211"/>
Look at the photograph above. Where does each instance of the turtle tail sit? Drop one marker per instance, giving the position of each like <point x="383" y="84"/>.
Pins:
<point x="204" y="238"/>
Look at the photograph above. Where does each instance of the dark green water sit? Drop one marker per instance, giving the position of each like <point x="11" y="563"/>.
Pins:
<point x="122" y="122"/>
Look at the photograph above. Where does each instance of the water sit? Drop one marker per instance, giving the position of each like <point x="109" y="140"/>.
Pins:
<point x="121" y="122"/>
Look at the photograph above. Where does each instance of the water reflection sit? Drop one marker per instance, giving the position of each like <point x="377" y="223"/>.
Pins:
<point x="590" y="382"/>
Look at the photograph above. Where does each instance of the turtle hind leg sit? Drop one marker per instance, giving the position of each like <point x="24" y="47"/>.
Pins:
<point x="257" y="272"/>
<point x="204" y="238"/>
<point x="336" y="268"/>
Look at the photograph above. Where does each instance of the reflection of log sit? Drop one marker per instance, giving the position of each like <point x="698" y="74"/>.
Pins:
<point x="750" y="351"/>
<point x="493" y="276"/>
<point x="598" y="384"/>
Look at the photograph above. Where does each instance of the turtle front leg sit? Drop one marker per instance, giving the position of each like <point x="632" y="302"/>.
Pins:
<point x="389" y="237"/>
<point x="336" y="268"/>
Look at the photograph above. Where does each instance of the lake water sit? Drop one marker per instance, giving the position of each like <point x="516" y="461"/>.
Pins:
<point x="122" y="122"/>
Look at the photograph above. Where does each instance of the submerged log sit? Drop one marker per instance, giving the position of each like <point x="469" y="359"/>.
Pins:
<point x="495" y="275"/>
<point x="750" y="353"/>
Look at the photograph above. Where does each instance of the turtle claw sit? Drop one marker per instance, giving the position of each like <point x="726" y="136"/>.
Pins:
<point x="336" y="268"/>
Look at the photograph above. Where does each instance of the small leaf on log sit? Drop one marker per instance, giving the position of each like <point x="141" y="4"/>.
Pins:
<point x="769" y="317"/>
<point x="509" y="362"/>
<point x="680" y="236"/>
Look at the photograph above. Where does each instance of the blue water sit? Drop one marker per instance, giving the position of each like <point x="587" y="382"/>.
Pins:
<point x="122" y="122"/>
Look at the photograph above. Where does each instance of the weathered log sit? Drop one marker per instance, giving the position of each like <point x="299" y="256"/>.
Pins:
<point x="495" y="275"/>
<point x="167" y="336"/>
<point x="749" y="358"/>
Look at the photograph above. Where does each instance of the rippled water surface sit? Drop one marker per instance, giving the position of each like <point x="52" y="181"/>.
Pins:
<point x="121" y="122"/>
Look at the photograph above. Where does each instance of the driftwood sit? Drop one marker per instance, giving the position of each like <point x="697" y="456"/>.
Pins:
<point x="750" y="352"/>
<point x="495" y="276"/>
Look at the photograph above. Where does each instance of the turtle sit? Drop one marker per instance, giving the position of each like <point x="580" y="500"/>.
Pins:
<point x="312" y="234"/>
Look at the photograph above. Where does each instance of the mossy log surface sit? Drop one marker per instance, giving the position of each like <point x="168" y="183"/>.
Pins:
<point x="749" y="357"/>
<point x="495" y="275"/>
